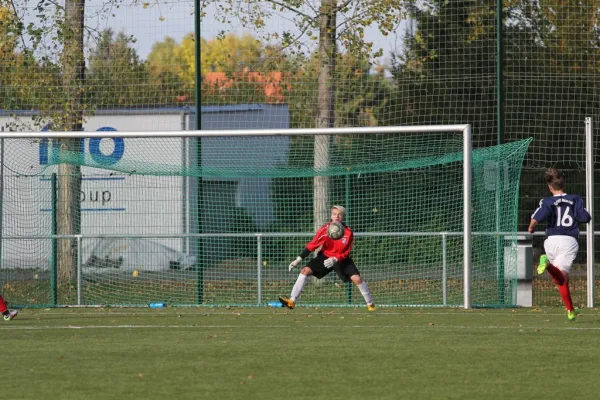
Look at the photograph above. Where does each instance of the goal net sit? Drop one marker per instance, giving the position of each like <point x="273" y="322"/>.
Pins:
<point x="213" y="219"/>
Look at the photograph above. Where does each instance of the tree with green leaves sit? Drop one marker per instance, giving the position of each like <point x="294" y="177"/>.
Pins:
<point x="329" y="24"/>
<point x="8" y="42"/>
<point x="166" y="73"/>
<point x="552" y="53"/>
<point x="551" y="49"/>
<point x="26" y="79"/>
<point x="56" y="39"/>
<point x="115" y="74"/>
<point x="446" y="69"/>
<point x="47" y="73"/>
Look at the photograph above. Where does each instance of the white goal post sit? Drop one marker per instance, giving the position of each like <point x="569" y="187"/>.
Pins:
<point x="465" y="129"/>
<point x="589" y="186"/>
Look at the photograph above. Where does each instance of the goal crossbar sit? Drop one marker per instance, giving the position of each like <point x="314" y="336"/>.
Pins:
<point x="242" y="132"/>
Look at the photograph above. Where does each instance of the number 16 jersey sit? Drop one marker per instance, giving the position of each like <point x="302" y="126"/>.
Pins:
<point x="564" y="213"/>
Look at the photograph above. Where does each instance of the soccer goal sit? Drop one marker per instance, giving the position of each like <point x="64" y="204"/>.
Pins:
<point x="213" y="218"/>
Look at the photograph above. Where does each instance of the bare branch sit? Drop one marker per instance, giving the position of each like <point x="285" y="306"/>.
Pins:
<point x="57" y="5"/>
<point x="343" y="5"/>
<point x="350" y="19"/>
<point x="292" y="9"/>
<point x="18" y="19"/>
<point x="297" y="37"/>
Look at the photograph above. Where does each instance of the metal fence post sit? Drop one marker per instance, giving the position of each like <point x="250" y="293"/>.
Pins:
<point x="259" y="262"/>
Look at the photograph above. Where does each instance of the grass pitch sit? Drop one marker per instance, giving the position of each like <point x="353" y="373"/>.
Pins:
<point x="306" y="353"/>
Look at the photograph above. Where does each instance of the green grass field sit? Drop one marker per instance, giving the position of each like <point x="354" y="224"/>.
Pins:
<point x="307" y="353"/>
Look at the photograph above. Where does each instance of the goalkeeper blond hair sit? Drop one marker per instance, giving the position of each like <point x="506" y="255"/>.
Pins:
<point x="341" y="209"/>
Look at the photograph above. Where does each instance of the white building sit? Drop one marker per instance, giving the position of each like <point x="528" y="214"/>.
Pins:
<point x="114" y="203"/>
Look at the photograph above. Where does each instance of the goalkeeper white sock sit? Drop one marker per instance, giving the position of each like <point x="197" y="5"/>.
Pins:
<point x="298" y="287"/>
<point x="364" y="290"/>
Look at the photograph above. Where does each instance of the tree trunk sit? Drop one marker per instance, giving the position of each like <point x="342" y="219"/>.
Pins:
<point x="69" y="184"/>
<point x="325" y="108"/>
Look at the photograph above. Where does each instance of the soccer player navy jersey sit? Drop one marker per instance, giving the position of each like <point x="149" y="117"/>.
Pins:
<point x="564" y="213"/>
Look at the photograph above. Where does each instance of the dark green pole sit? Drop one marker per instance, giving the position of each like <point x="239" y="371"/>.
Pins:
<point x="347" y="205"/>
<point x="198" y="126"/>
<point x="1" y="194"/>
<point x="499" y="71"/>
<point x="54" y="259"/>
<point x="197" y="73"/>
<point x="500" y="125"/>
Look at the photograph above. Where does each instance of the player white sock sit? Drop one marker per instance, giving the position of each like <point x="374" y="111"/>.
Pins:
<point x="298" y="287"/>
<point x="364" y="290"/>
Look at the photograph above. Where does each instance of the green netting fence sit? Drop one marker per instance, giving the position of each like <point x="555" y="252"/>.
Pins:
<point x="513" y="69"/>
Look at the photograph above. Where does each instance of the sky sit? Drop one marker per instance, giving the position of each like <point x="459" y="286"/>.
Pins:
<point x="175" y="19"/>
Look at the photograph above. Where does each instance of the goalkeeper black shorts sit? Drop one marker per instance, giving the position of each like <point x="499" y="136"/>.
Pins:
<point x="344" y="269"/>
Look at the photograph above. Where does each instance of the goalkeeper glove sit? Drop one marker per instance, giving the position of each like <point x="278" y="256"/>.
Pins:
<point x="330" y="262"/>
<point x="295" y="263"/>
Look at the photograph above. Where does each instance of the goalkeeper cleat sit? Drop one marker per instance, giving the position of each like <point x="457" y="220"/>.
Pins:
<point x="289" y="303"/>
<point x="572" y="314"/>
<point x="543" y="264"/>
<point x="371" y="307"/>
<point x="10" y="315"/>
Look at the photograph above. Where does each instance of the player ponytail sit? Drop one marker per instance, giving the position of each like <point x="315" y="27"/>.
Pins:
<point x="555" y="179"/>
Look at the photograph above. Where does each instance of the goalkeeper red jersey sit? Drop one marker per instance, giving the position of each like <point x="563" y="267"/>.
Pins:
<point x="339" y="249"/>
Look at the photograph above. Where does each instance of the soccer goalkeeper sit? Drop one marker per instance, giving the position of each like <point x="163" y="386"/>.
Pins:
<point x="333" y="256"/>
<point x="8" y="315"/>
<point x="564" y="212"/>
